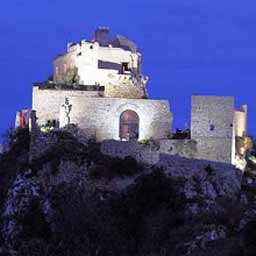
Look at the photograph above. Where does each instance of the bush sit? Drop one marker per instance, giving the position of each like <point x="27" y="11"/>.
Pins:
<point x="71" y="76"/>
<point x="109" y="168"/>
<point x="34" y="223"/>
<point x="148" y="212"/>
<point x="231" y="214"/>
<point x="36" y="247"/>
<point x="15" y="158"/>
<point x="249" y="238"/>
<point x="181" y="134"/>
<point x="17" y="140"/>
<point x="209" y="170"/>
<point x="98" y="172"/>
<point x="128" y="223"/>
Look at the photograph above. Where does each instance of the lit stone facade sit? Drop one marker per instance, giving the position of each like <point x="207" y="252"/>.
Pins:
<point x="240" y="120"/>
<point x="110" y="84"/>
<point x="215" y="128"/>
<point x="105" y="97"/>
<point x="215" y="125"/>
<point x="47" y="102"/>
<point x="110" y="62"/>
<point x="102" y="116"/>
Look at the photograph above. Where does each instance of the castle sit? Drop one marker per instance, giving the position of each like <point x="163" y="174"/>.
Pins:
<point x="98" y="85"/>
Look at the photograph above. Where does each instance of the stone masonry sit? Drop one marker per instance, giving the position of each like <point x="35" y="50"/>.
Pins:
<point x="212" y="127"/>
<point x="102" y="115"/>
<point x="98" y="86"/>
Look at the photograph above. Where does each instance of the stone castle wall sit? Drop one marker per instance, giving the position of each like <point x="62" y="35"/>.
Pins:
<point x="212" y="112"/>
<point x="47" y="102"/>
<point x="125" y="86"/>
<point x="149" y="152"/>
<point x="103" y="114"/>
<point x="214" y="149"/>
<point x="212" y="127"/>
<point x="214" y="124"/>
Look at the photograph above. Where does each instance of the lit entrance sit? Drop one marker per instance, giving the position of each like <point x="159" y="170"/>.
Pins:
<point x="129" y="125"/>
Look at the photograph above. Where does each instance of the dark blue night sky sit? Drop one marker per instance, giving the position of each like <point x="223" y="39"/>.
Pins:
<point x="189" y="47"/>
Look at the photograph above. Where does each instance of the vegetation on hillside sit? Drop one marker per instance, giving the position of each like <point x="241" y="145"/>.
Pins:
<point x="56" y="205"/>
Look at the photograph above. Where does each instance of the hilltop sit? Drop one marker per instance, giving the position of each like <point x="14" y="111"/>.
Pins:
<point x="73" y="200"/>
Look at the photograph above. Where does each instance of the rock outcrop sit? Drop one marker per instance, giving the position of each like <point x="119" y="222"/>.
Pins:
<point x="70" y="199"/>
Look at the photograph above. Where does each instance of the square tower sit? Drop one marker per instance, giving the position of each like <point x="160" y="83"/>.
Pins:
<point x="212" y="127"/>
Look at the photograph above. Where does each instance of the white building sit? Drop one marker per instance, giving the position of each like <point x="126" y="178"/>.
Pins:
<point x="98" y="85"/>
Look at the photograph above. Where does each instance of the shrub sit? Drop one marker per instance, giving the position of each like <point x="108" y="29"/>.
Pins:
<point x="209" y="170"/>
<point x="230" y="212"/>
<point x="17" y="140"/>
<point x="249" y="238"/>
<point x="14" y="159"/>
<point x="71" y="76"/>
<point x="120" y="223"/>
<point x="109" y="168"/>
<point x="35" y="247"/>
<point x="181" y="134"/>
<point x="98" y="171"/>
<point x="34" y="223"/>
<point x="148" y="212"/>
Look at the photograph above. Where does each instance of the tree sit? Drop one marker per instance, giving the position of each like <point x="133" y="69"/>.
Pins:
<point x="71" y="76"/>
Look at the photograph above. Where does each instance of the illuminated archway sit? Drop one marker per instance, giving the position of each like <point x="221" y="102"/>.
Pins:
<point x="129" y="125"/>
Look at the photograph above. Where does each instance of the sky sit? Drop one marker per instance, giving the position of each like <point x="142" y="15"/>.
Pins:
<point x="189" y="47"/>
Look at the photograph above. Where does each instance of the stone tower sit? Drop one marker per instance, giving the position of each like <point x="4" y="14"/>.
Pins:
<point x="212" y="121"/>
<point x="219" y="129"/>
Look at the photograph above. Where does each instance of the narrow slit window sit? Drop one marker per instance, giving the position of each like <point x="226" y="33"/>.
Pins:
<point x="212" y="127"/>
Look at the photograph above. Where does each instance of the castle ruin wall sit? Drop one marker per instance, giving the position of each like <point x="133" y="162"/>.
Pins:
<point x="149" y="152"/>
<point x="155" y="118"/>
<point x="47" y="102"/>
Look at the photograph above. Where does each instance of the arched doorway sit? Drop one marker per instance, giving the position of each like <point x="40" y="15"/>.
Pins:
<point x="129" y="125"/>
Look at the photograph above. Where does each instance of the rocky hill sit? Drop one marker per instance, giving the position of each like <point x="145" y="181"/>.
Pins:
<point x="70" y="199"/>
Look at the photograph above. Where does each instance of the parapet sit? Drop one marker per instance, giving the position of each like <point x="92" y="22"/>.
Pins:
<point x="68" y="87"/>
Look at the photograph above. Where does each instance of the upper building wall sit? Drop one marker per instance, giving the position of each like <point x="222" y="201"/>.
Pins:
<point x="113" y="63"/>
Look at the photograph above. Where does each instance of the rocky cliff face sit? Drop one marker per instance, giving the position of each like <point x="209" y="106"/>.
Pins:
<point x="73" y="200"/>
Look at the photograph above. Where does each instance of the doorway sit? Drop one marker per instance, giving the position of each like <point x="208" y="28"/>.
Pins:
<point x="129" y="125"/>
